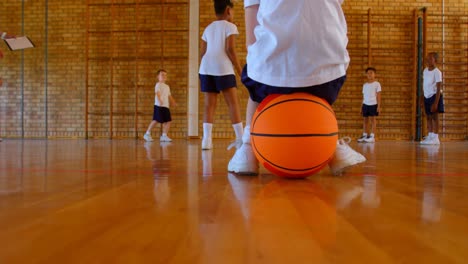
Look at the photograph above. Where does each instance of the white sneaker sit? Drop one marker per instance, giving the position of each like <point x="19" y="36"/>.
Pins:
<point x="344" y="157"/>
<point x="427" y="140"/>
<point x="435" y="140"/>
<point x="148" y="137"/>
<point x="362" y="138"/>
<point x="244" y="161"/>
<point x="165" y="138"/>
<point x="369" y="139"/>
<point x="236" y="143"/>
<point x="207" y="143"/>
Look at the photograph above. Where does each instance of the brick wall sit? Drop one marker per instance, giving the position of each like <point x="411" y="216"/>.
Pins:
<point x="114" y="58"/>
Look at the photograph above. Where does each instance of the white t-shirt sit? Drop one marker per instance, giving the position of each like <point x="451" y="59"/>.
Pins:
<point x="215" y="61"/>
<point x="165" y="92"/>
<point x="369" y="92"/>
<point x="299" y="43"/>
<point x="431" y="78"/>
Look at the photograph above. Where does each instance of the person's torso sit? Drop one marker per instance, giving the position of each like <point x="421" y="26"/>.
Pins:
<point x="369" y="91"/>
<point x="164" y="92"/>
<point x="216" y="61"/>
<point x="430" y="79"/>
<point x="299" y="43"/>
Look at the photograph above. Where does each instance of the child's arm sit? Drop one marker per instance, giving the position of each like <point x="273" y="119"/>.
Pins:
<point x="436" y="102"/>
<point x="172" y="102"/>
<point x="157" y="93"/>
<point x="202" y="48"/>
<point x="250" y="23"/>
<point x="378" y="102"/>
<point x="231" y="52"/>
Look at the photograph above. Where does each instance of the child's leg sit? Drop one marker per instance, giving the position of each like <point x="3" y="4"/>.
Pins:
<point x="429" y="123"/>
<point x="366" y="125"/>
<point x="208" y="118"/>
<point x="165" y="128"/>
<point x="232" y="101"/>
<point x="244" y="160"/>
<point x="150" y="127"/>
<point x="210" y="107"/>
<point x="373" y="124"/>
<point x="435" y="123"/>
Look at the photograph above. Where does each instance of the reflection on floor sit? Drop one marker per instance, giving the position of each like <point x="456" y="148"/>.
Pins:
<point x="127" y="201"/>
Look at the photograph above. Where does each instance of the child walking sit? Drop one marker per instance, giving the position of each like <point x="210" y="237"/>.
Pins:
<point x="293" y="46"/>
<point x="219" y="60"/>
<point x="370" y="106"/>
<point x="161" y="113"/>
<point x="433" y="99"/>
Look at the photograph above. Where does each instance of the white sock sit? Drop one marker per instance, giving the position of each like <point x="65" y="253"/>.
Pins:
<point x="164" y="135"/>
<point x="371" y="135"/>
<point x="246" y="135"/>
<point x="238" y="129"/>
<point x="364" y="134"/>
<point x="430" y="135"/>
<point x="207" y="128"/>
<point x="148" y="133"/>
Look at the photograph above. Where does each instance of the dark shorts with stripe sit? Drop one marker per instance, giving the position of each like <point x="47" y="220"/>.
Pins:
<point x="215" y="84"/>
<point x="258" y="91"/>
<point x="161" y="114"/>
<point x="428" y="104"/>
<point x="369" y="110"/>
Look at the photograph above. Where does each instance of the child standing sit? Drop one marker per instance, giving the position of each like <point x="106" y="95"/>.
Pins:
<point x="294" y="46"/>
<point x="219" y="60"/>
<point x="433" y="100"/>
<point x="370" y="106"/>
<point x="161" y="113"/>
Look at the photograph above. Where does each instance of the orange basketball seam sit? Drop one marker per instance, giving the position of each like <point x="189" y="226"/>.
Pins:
<point x="294" y="135"/>
<point x="290" y="100"/>
<point x="285" y="168"/>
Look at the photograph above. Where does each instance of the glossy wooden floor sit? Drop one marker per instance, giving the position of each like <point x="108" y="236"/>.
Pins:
<point x="126" y="201"/>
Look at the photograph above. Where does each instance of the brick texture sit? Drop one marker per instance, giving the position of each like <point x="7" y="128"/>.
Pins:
<point x="110" y="51"/>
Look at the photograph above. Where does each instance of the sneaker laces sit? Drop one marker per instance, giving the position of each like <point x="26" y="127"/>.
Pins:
<point x="344" y="140"/>
<point x="236" y="143"/>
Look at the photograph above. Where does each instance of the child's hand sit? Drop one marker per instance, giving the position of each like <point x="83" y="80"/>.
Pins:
<point x="378" y="109"/>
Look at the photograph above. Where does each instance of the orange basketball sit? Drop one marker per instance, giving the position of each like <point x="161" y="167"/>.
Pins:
<point x="294" y="135"/>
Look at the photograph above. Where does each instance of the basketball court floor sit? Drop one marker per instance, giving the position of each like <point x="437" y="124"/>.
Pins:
<point x="127" y="201"/>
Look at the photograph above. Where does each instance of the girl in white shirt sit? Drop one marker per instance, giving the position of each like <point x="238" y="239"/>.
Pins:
<point x="219" y="60"/>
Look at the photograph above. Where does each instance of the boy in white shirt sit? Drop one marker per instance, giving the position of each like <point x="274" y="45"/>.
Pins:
<point x="161" y="113"/>
<point x="433" y="99"/>
<point x="293" y="46"/>
<point x="370" y="106"/>
<point x="219" y="60"/>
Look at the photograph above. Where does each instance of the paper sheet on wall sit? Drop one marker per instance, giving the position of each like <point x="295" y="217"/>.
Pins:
<point x="19" y="43"/>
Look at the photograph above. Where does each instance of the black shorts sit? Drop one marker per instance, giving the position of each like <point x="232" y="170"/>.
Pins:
<point x="215" y="84"/>
<point x="428" y="104"/>
<point x="161" y="114"/>
<point x="369" y="110"/>
<point x="258" y="91"/>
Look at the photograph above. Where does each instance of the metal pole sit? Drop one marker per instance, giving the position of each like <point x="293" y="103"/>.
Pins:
<point x="46" y="75"/>
<point x="87" y="71"/>
<point x="22" y="72"/>
<point x="415" y="75"/>
<point x="419" y="80"/>
<point x="369" y="42"/>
